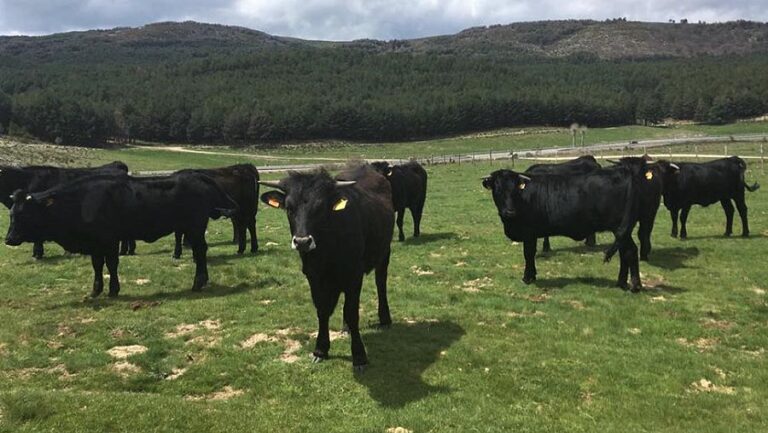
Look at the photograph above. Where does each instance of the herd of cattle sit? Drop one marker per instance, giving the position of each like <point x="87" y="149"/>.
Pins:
<point x="342" y="225"/>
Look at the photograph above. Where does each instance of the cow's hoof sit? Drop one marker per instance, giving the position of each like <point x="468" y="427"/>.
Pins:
<point x="318" y="357"/>
<point x="382" y="325"/>
<point x="240" y="252"/>
<point x="401" y="238"/>
<point x="176" y="257"/>
<point x="95" y="294"/>
<point x="644" y="258"/>
<point x="622" y="285"/>
<point x="254" y="250"/>
<point x="636" y="288"/>
<point x="113" y="294"/>
<point x="529" y="280"/>
<point x="745" y="235"/>
<point x="359" y="369"/>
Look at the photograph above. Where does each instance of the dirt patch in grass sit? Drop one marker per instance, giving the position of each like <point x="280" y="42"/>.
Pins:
<point x="59" y="370"/>
<point x="659" y="298"/>
<point x="419" y="271"/>
<point x="542" y="297"/>
<point x="123" y="352"/>
<point x="474" y="286"/>
<point x="185" y="329"/>
<point x="138" y="305"/>
<point x="515" y="314"/>
<point x="176" y="373"/>
<point x="125" y="368"/>
<point x="577" y="305"/>
<point x="702" y="344"/>
<point x="704" y="385"/>
<point x="710" y="323"/>
<point x="398" y="430"/>
<point x="282" y="336"/>
<point x="225" y="393"/>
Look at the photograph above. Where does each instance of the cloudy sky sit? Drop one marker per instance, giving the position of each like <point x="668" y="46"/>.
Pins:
<point x="353" y="19"/>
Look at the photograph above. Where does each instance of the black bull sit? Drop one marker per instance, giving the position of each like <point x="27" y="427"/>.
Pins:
<point x="409" y="190"/>
<point x="575" y="206"/>
<point x="704" y="184"/>
<point x="38" y="178"/>
<point x="90" y="215"/>
<point x="342" y="229"/>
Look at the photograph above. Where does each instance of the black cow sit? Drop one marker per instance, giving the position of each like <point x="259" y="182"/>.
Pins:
<point x="409" y="190"/>
<point x="650" y="192"/>
<point x="706" y="183"/>
<point x="342" y="229"/>
<point x="581" y="165"/>
<point x="534" y="206"/>
<point x="240" y="183"/>
<point x="90" y="215"/>
<point x="38" y="178"/>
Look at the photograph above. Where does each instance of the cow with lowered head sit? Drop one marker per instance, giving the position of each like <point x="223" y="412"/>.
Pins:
<point x="704" y="184"/>
<point x="533" y="206"/>
<point x="581" y="165"/>
<point x="409" y="190"/>
<point x="342" y="229"/>
<point x="240" y="183"/>
<point x="91" y="215"/>
<point x="38" y="178"/>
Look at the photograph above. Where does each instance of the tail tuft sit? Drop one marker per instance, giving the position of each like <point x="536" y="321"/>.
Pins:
<point x="755" y="186"/>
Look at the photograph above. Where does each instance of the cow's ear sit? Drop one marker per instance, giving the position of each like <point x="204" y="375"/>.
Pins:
<point x="275" y="199"/>
<point x="340" y="204"/>
<point x="488" y="182"/>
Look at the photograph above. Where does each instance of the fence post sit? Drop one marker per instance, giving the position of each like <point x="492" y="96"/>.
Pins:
<point x="473" y="157"/>
<point x="490" y="156"/>
<point x="669" y="150"/>
<point x="696" y="151"/>
<point x="725" y="150"/>
<point x="762" y="159"/>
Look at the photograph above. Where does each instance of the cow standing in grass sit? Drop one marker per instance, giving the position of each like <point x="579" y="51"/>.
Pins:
<point x="534" y="206"/>
<point x="581" y="165"/>
<point x="240" y="183"/>
<point x="342" y="229"/>
<point x="704" y="184"/>
<point x="409" y="190"/>
<point x="38" y="178"/>
<point x="90" y="215"/>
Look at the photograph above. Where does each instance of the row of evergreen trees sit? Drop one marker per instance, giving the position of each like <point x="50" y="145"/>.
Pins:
<point x="348" y="94"/>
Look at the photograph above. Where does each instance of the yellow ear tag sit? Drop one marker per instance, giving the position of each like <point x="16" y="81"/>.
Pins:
<point x="521" y="186"/>
<point x="340" y="205"/>
<point x="274" y="202"/>
<point x="648" y="175"/>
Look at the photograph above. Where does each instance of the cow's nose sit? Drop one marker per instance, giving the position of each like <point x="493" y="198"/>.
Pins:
<point x="303" y="243"/>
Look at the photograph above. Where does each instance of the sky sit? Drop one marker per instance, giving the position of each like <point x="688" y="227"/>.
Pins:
<point x="354" y="19"/>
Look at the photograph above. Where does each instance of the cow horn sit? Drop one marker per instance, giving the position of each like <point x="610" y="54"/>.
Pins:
<point x="345" y="182"/>
<point x="675" y="166"/>
<point x="522" y="176"/>
<point x="613" y="161"/>
<point x="271" y="184"/>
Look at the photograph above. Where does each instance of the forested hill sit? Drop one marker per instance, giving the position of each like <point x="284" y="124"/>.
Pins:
<point x="211" y="84"/>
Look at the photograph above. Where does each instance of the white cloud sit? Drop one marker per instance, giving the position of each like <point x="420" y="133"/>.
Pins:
<point x="353" y="19"/>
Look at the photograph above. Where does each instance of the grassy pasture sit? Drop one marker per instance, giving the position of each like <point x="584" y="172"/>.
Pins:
<point x="472" y="348"/>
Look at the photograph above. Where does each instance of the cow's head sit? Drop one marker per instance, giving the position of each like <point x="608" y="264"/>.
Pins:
<point x="27" y="217"/>
<point x="383" y="168"/>
<point x="507" y="187"/>
<point x="311" y="201"/>
<point x="665" y="170"/>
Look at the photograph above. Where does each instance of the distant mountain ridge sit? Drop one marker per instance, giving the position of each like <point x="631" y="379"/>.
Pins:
<point x="615" y="39"/>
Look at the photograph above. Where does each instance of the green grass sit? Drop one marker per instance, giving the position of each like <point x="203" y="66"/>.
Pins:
<point x="472" y="348"/>
<point x="534" y="138"/>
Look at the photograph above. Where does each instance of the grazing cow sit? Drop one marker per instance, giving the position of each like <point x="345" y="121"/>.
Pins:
<point x="90" y="215"/>
<point x="342" y="229"/>
<point x="581" y="165"/>
<point x="575" y="206"/>
<point x="706" y="183"/>
<point x="409" y="190"/>
<point x="650" y="199"/>
<point x="41" y="177"/>
<point x="240" y="183"/>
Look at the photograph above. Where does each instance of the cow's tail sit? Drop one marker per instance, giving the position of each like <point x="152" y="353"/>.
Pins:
<point x="755" y="186"/>
<point x="743" y="167"/>
<point x="628" y="221"/>
<point x="223" y="204"/>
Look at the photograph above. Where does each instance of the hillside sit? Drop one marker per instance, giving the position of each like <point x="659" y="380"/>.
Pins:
<point x="553" y="39"/>
<point x="207" y="83"/>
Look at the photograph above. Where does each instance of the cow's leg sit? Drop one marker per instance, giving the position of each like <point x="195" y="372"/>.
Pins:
<point x="683" y="219"/>
<point x="621" y="281"/>
<point x="400" y="216"/>
<point x="123" y="248"/>
<point x="385" y="318"/>
<point x="97" y="261"/>
<point x="241" y="229"/>
<point x="728" y="209"/>
<point x="352" y="318"/>
<point x="325" y="300"/>
<point x="634" y="265"/>
<point x="529" y="251"/>
<point x="235" y="231"/>
<point x="131" y="247"/>
<point x="38" y="250"/>
<point x="644" y="233"/>
<point x="199" y="251"/>
<point x="741" y="206"/>
<point x="113" y="260"/>
<point x="416" y="215"/>
<point x="545" y="248"/>
<point x="179" y="237"/>
<point x="591" y="240"/>
<point x="252" y="232"/>
<point x="673" y="213"/>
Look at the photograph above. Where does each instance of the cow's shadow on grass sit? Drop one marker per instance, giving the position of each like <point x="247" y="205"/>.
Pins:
<point x="426" y="238"/>
<point x="400" y="355"/>
<point x="736" y="236"/>
<point x="598" y="282"/>
<point x="673" y="257"/>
